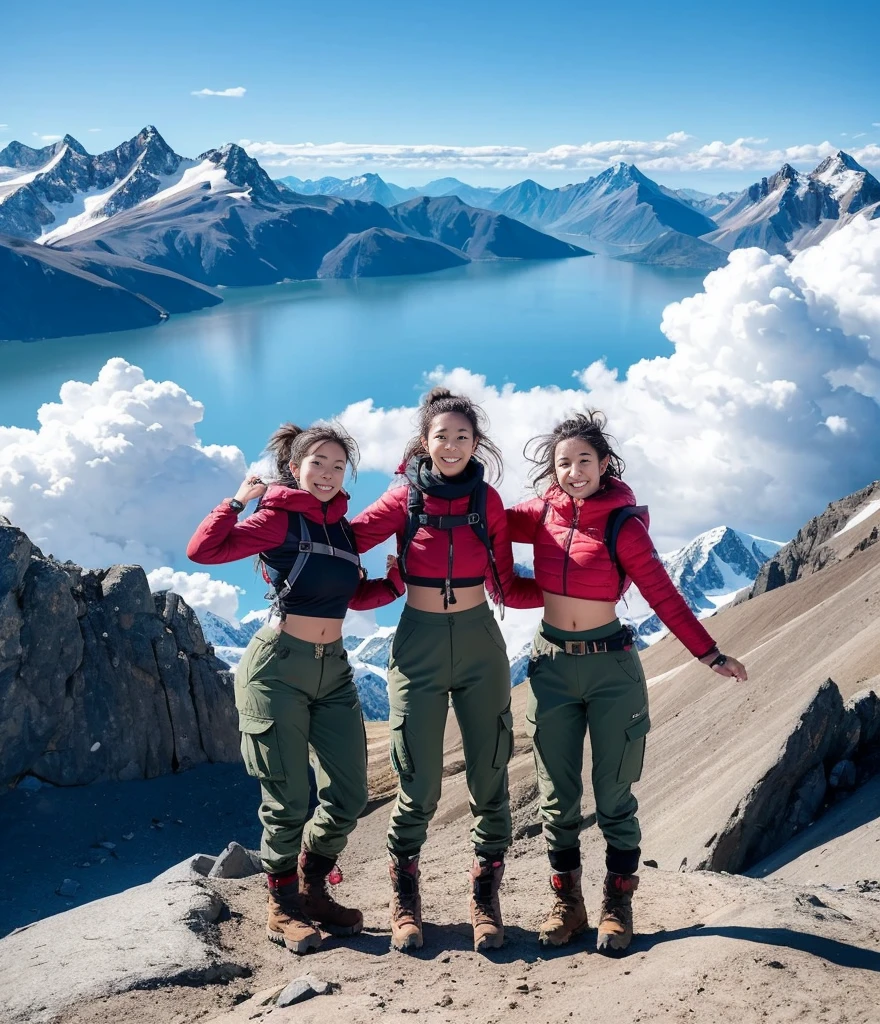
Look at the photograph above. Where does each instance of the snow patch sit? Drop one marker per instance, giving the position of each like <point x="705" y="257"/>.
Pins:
<point x="860" y="516"/>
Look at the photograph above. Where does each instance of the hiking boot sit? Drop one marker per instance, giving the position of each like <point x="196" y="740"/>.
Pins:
<point x="486" y="875"/>
<point x="288" y="924"/>
<point x="616" y="919"/>
<point x="406" y="903"/>
<point x="315" y="898"/>
<point x="568" y="915"/>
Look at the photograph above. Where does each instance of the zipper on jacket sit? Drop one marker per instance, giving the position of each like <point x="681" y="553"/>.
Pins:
<point x="571" y="529"/>
<point x="448" y="593"/>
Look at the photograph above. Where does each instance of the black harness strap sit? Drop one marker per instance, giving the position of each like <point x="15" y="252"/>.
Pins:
<point x="475" y="518"/>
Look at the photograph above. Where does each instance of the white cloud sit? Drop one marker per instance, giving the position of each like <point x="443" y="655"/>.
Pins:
<point x="95" y="129"/>
<point x="47" y="138"/>
<point x="742" y="423"/>
<point x="235" y="93"/>
<point x="199" y="590"/>
<point x="669" y="154"/>
<point x="115" y="472"/>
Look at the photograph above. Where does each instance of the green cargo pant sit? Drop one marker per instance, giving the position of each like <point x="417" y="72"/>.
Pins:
<point x="568" y="692"/>
<point x="435" y="655"/>
<point x="291" y="694"/>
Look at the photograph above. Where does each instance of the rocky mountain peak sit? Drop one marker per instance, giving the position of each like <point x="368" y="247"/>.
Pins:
<point x="74" y="145"/>
<point x="244" y="171"/>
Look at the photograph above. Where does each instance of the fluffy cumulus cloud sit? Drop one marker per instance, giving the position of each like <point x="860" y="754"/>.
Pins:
<point x="198" y="589"/>
<point x="766" y="410"/>
<point x="235" y="93"/>
<point x="115" y="471"/>
<point x="677" y="152"/>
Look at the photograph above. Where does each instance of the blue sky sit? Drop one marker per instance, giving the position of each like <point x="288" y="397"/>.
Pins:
<point x="388" y="76"/>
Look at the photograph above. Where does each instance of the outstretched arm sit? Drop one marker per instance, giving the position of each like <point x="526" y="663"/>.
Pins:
<point x="377" y="593"/>
<point x="640" y="561"/>
<point x="516" y="591"/>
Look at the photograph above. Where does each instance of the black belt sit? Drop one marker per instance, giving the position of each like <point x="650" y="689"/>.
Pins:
<point x="622" y="640"/>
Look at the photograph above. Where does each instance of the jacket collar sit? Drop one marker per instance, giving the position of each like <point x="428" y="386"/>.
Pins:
<point x="612" y="494"/>
<point x="292" y="499"/>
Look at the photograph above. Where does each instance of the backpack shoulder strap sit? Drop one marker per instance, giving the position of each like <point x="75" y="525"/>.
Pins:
<point x="302" y="556"/>
<point x="480" y="525"/>
<point x="616" y="518"/>
<point x="415" y="505"/>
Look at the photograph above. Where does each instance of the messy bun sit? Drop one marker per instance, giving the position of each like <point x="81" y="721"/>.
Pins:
<point x="291" y="443"/>
<point x="441" y="400"/>
<point x="589" y="427"/>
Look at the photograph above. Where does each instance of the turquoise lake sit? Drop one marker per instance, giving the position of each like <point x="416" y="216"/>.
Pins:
<point x="306" y="350"/>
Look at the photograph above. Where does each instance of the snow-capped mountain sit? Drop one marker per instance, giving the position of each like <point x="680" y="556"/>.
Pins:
<point x="49" y="193"/>
<point x="709" y="572"/>
<point x="703" y="201"/>
<point x="791" y="210"/>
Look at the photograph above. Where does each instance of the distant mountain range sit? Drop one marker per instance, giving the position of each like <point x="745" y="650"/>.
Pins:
<point x="372" y="188"/>
<point x="623" y="213"/>
<point x="128" y="236"/>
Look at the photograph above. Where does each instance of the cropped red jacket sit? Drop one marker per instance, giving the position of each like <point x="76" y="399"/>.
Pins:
<point x="428" y="554"/>
<point x="571" y="557"/>
<point x="221" y="538"/>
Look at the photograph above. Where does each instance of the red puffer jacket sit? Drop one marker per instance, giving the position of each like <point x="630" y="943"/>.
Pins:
<point x="571" y="557"/>
<point x="428" y="555"/>
<point x="221" y="538"/>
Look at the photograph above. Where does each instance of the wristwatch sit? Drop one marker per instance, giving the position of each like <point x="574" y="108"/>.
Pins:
<point x="236" y="505"/>
<point x="720" y="661"/>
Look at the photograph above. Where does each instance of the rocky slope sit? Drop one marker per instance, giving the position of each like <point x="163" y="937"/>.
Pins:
<point x="845" y="527"/>
<point x="72" y="293"/>
<point x="99" y="679"/>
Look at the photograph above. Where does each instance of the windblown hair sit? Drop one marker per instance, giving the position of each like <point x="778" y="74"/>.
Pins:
<point x="589" y="427"/>
<point x="291" y="443"/>
<point x="441" y="400"/>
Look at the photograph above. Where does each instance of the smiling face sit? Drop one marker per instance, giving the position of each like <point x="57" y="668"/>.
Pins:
<point x="578" y="467"/>
<point x="450" y="443"/>
<point x="322" y="471"/>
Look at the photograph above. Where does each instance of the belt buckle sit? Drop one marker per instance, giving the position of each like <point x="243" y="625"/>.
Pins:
<point x="575" y="647"/>
<point x="319" y="651"/>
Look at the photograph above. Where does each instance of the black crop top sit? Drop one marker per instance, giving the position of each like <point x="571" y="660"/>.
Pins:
<point x="325" y="584"/>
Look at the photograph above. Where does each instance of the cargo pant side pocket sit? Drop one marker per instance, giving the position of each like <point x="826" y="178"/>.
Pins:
<point x="634" y="752"/>
<point x="401" y="760"/>
<point x="259" y="748"/>
<point x="504" y="741"/>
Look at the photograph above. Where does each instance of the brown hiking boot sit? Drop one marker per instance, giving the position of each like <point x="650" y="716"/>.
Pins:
<point x="287" y="924"/>
<point x="406" y="903"/>
<point x="486" y="875"/>
<point x="616" y="919"/>
<point x="568" y="915"/>
<point x="317" y="902"/>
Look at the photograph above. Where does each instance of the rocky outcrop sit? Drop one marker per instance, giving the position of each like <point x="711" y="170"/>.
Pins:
<point x="830" y="749"/>
<point x="99" y="678"/>
<point x="808" y="552"/>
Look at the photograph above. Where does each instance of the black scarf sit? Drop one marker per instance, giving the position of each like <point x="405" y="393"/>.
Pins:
<point x="421" y="474"/>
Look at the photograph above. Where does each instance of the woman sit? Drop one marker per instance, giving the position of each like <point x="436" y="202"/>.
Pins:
<point x="294" y="686"/>
<point x="585" y="669"/>
<point x="452" y="541"/>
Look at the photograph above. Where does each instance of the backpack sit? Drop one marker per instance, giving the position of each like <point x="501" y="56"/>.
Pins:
<point x="475" y="518"/>
<point x="307" y="547"/>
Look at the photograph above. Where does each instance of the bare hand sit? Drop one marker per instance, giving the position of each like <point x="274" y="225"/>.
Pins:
<point x="390" y="563"/>
<point x="732" y="669"/>
<point x="252" y="487"/>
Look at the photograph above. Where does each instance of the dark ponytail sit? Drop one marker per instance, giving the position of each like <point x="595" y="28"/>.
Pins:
<point x="291" y="443"/>
<point x="441" y="400"/>
<point x="589" y="427"/>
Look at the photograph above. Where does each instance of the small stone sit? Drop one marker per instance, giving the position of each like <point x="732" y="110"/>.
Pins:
<point x="233" y="862"/>
<point x="650" y="863"/>
<point x="128" y="835"/>
<point x="68" y="887"/>
<point x="301" y="989"/>
<point x="522" y="988"/>
<point x="96" y="746"/>
<point x="445" y="1001"/>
